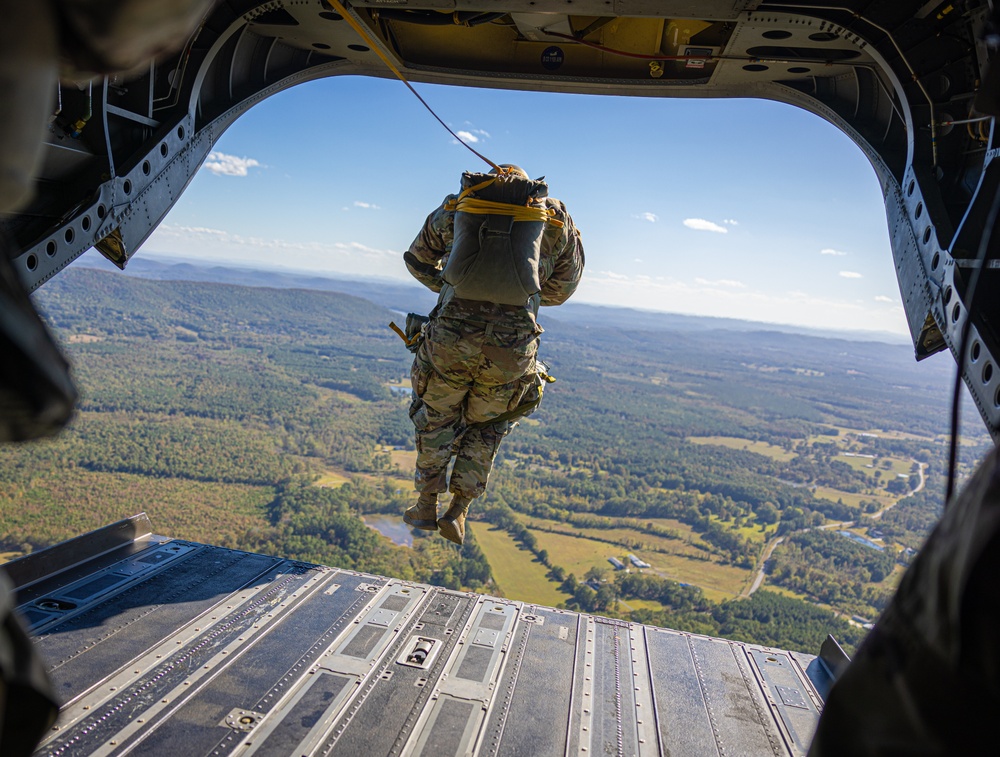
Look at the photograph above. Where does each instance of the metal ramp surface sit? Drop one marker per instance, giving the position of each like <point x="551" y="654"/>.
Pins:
<point x="166" y="647"/>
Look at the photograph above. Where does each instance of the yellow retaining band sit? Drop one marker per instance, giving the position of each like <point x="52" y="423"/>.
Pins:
<point x="519" y="212"/>
<point x="466" y="204"/>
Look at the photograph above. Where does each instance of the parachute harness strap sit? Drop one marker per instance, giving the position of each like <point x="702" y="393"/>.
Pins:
<point x="465" y="203"/>
<point x="337" y="6"/>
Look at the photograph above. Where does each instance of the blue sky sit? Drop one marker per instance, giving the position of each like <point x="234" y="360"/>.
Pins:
<point x="737" y="208"/>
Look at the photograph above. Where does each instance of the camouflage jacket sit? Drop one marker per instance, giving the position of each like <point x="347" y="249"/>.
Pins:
<point x="559" y="269"/>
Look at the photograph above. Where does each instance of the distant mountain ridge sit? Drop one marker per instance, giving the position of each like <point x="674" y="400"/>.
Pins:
<point x="414" y="298"/>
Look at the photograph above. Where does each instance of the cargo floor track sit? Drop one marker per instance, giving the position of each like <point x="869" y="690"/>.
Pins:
<point x="164" y="647"/>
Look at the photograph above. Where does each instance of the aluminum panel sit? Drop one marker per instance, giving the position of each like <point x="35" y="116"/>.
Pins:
<point x="364" y="640"/>
<point x="256" y="677"/>
<point x="682" y="712"/>
<point x="308" y="711"/>
<point x="476" y="664"/>
<point x="790" y="695"/>
<point x="394" y="603"/>
<point x="97" y="586"/>
<point x="391" y="702"/>
<point x="145" y="692"/>
<point x="87" y="647"/>
<point x="742" y="718"/>
<point x="614" y="730"/>
<point x="539" y="715"/>
<point x="448" y="731"/>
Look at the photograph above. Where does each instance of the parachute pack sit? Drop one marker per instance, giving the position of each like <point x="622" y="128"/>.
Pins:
<point x="499" y="224"/>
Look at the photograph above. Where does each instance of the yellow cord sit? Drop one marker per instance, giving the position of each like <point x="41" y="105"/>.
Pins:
<point x="466" y="204"/>
<point x="519" y="212"/>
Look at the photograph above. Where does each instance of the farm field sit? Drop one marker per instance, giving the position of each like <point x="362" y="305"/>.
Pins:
<point x="332" y="478"/>
<point x="852" y="499"/>
<point x="617" y="539"/>
<point x="406" y="459"/>
<point x="516" y="571"/>
<point x="732" y="442"/>
<point x="577" y="554"/>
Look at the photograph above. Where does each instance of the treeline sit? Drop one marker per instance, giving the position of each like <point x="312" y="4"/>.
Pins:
<point x="322" y="525"/>
<point x="833" y="569"/>
<point x="766" y="618"/>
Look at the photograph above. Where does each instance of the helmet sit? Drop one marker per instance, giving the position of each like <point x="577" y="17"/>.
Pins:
<point x="511" y="169"/>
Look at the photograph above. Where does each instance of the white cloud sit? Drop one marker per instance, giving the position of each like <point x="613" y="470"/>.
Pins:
<point x="721" y="283"/>
<point x="366" y="205"/>
<point x="352" y="258"/>
<point x="851" y="275"/>
<point x="731" y="222"/>
<point x="472" y="136"/>
<point x="700" y="224"/>
<point x="883" y="298"/>
<point x="829" y="251"/>
<point x="651" y="217"/>
<point x="229" y="165"/>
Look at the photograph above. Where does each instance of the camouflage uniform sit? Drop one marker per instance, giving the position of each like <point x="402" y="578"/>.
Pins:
<point x="926" y="680"/>
<point x="477" y="359"/>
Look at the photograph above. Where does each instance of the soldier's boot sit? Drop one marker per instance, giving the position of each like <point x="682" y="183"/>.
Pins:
<point x="452" y="523"/>
<point x="423" y="515"/>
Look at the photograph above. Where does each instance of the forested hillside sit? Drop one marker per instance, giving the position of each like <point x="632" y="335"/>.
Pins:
<point x="274" y="419"/>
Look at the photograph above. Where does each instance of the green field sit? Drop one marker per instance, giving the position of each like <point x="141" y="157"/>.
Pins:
<point x="753" y="532"/>
<point x="732" y="442"/>
<point x="406" y="459"/>
<point x="850" y="498"/>
<point x="641" y="604"/>
<point x="577" y="554"/>
<point x="627" y="539"/>
<point x="331" y="478"/>
<point x="516" y="571"/>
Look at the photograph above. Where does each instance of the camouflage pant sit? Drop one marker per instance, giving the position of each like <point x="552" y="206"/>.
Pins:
<point x="474" y="364"/>
<point x="926" y="680"/>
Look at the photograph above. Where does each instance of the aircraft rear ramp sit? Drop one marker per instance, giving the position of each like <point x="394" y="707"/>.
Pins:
<point x="164" y="647"/>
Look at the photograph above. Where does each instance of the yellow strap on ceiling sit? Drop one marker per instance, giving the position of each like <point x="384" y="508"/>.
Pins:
<point x="363" y="33"/>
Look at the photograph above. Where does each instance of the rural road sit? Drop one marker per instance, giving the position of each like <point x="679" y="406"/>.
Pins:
<point x="759" y="577"/>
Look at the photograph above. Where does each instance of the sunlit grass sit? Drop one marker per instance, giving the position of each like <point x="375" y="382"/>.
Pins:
<point x="578" y="554"/>
<point x="517" y="572"/>
<point x="852" y="499"/>
<point x="732" y="442"/>
<point x="332" y="479"/>
<point x="626" y="538"/>
<point x="752" y="531"/>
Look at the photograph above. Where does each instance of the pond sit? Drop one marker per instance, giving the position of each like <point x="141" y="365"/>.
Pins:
<point x="391" y="526"/>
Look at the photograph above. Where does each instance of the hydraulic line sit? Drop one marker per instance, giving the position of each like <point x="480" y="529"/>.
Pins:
<point x="77" y="128"/>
